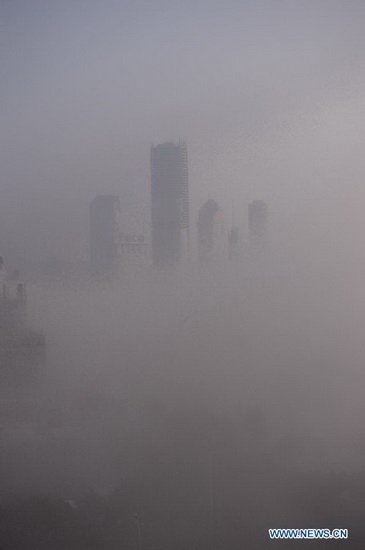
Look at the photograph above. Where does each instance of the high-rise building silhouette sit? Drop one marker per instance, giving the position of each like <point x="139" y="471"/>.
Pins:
<point x="104" y="235"/>
<point x="169" y="203"/>
<point x="257" y="225"/>
<point x="212" y="235"/>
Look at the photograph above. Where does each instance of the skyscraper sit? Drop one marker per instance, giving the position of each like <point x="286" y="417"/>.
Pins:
<point x="169" y="202"/>
<point x="104" y="235"/>
<point x="257" y="225"/>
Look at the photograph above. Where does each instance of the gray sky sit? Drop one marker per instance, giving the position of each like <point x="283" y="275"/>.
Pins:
<point x="269" y="95"/>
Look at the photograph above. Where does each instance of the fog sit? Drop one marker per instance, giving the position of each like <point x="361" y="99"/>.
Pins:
<point x="195" y="406"/>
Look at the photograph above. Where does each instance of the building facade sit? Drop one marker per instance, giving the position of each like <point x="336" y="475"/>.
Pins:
<point x="169" y="203"/>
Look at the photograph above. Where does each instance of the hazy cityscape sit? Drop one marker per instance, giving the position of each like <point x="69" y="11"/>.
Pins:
<point x="182" y="309"/>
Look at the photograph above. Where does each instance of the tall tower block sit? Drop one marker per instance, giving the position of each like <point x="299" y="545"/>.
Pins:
<point x="169" y="203"/>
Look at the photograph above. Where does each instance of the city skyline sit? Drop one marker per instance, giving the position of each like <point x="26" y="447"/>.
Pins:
<point x="252" y="131"/>
<point x="170" y="220"/>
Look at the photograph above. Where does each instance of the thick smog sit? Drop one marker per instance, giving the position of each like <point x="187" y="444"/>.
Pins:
<point x="181" y="276"/>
